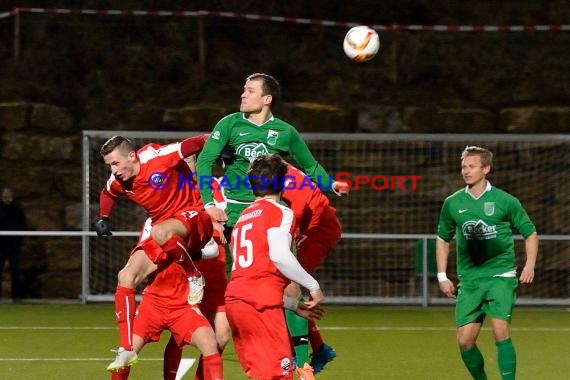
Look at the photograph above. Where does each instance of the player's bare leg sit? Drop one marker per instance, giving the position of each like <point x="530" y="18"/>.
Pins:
<point x="470" y="354"/>
<point x="223" y="335"/>
<point x="222" y="330"/>
<point x="171" y="235"/>
<point x="204" y="340"/>
<point x="135" y="271"/>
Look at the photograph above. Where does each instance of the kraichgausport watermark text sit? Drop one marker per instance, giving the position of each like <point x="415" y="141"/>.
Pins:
<point x="378" y="182"/>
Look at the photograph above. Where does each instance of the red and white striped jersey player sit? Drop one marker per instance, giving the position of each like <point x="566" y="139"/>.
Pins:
<point x="155" y="178"/>
<point x="262" y="266"/>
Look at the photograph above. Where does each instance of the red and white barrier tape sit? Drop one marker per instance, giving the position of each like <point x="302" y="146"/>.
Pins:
<point x="294" y="20"/>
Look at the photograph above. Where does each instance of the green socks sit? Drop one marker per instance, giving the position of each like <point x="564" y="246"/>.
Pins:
<point x="507" y="359"/>
<point x="474" y="362"/>
<point x="299" y="330"/>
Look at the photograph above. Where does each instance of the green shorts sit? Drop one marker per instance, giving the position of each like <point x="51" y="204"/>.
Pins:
<point x="233" y="210"/>
<point x="493" y="297"/>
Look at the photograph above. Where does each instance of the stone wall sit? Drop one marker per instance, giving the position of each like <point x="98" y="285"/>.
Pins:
<point x="41" y="158"/>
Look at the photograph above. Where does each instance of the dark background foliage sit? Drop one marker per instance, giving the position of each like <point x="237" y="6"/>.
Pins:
<point x="86" y="62"/>
<point x="78" y="72"/>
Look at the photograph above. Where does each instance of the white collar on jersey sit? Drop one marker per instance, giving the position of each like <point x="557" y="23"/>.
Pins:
<point x="259" y="125"/>
<point x="488" y="187"/>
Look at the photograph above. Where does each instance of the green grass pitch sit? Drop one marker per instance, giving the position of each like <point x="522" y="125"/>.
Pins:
<point x="41" y="341"/>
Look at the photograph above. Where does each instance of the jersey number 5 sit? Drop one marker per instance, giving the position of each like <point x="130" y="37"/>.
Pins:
<point x="242" y="247"/>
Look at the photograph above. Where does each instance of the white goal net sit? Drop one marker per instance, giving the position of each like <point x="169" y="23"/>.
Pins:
<point x="390" y="221"/>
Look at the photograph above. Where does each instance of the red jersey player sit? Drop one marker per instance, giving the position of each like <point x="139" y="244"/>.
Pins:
<point x="319" y="231"/>
<point x="154" y="177"/>
<point x="319" y="227"/>
<point x="263" y="265"/>
<point x="165" y="307"/>
<point x="212" y="305"/>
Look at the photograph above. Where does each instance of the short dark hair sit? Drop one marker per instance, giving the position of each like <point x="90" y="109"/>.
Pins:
<point x="270" y="86"/>
<point x="114" y="142"/>
<point x="266" y="175"/>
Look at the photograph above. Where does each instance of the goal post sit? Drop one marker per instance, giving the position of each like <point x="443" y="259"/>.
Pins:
<point x="389" y="219"/>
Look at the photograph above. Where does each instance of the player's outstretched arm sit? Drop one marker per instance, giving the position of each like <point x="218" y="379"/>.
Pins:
<point x="192" y="145"/>
<point x="280" y="254"/>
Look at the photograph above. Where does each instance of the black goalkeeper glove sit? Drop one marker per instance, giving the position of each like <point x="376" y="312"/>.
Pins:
<point x="103" y="227"/>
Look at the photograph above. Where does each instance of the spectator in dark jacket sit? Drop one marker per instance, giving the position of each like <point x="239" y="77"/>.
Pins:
<point x="12" y="218"/>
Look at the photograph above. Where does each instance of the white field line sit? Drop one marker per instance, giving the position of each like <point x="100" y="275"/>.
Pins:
<point x="330" y="328"/>
<point x="55" y="328"/>
<point x="183" y="368"/>
<point x="69" y="359"/>
<point x="431" y="328"/>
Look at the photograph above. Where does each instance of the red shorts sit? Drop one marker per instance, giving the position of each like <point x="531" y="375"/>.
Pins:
<point x="261" y="340"/>
<point x="214" y="272"/>
<point x="319" y="240"/>
<point x="199" y="228"/>
<point x="151" y="321"/>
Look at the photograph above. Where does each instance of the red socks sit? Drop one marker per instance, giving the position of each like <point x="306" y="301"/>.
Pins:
<point x="125" y="313"/>
<point x="121" y="374"/>
<point x="209" y="367"/>
<point x="213" y="368"/>
<point x="315" y="337"/>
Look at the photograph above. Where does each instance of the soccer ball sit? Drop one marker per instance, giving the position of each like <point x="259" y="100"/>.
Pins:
<point x="361" y="43"/>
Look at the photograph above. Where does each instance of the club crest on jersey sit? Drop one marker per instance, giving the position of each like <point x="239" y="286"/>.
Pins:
<point x="286" y="364"/>
<point x="252" y="150"/>
<point x="158" y="181"/>
<point x="272" y="137"/>
<point x="489" y="208"/>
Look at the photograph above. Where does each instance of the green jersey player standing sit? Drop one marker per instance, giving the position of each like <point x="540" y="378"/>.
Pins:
<point x="481" y="218"/>
<point x="252" y="132"/>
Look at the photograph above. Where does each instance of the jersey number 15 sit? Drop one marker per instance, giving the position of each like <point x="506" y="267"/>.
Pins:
<point x="244" y="245"/>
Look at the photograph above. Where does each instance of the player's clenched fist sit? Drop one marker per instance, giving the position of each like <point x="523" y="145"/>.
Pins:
<point x="103" y="227"/>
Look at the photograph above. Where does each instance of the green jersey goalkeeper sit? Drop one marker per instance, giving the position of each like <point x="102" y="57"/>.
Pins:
<point x="481" y="217"/>
<point x="252" y="132"/>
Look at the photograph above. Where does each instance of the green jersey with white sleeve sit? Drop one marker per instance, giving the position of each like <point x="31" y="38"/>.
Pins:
<point x="483" y="229"/>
